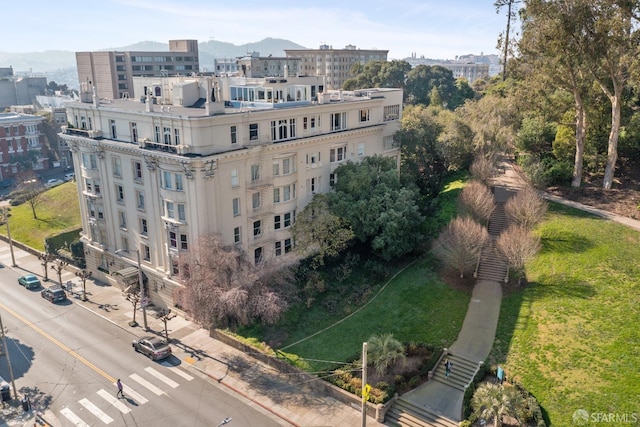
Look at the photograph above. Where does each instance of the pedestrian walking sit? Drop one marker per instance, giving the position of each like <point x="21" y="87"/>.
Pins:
<point x="120" y="393"/>
<point x="447" y="367"/>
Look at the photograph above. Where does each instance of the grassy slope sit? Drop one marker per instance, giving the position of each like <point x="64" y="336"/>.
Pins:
<point x="57" y="211"/>
<point x="571" y="337"/>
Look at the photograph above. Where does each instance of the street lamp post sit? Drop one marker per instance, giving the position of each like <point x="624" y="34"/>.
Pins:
<point x="143" y="294"/>
<point x="6" y="350"/>
<point x="6" y="215"/>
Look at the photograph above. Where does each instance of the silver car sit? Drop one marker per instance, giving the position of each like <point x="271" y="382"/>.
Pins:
<point x="153" y="347"/>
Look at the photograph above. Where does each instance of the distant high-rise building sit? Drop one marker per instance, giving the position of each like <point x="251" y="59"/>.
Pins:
<point x="334" y="64"/>
<point x="112" y="72"/>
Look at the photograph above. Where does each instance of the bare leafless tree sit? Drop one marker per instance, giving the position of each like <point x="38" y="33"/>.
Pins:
<point x="459" y="246"/>
<point x="59" y="266"/>
<point x="526" y="208"/>
<point x="483" y="167"/>
<point x="46" y="258"/>
<point x="477" y="201"/>
<point x="224" y="288"/>
<point x="32" y="190"/>
<point x="519" y="245"/>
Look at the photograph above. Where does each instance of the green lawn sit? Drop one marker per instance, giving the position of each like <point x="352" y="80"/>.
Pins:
<point x="57" y="211"/>
<point x="572" y="336"/>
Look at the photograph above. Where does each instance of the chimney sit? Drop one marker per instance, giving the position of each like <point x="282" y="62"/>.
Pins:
<point x="149" y="104"/>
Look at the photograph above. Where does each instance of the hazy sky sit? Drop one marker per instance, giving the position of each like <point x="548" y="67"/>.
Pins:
<point x="435" y="29"/>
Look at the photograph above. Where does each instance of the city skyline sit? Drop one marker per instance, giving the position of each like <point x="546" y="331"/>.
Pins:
<point x="426" y="28"/>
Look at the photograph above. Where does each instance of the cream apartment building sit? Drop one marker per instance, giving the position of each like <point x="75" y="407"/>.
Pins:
<point x="234" y="156"/>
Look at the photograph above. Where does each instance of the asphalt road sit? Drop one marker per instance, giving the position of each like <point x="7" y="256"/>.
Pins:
<point x="66" y="360"/>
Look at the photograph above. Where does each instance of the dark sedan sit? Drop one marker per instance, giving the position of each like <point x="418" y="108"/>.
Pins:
<point x="153" y="347"/>
<point x="54" y="294"/>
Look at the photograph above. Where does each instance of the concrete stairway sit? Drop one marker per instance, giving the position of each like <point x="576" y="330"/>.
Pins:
<point x="462" y="372"/>
<point x="493" y="266"/>
<point x="407" y="414"/>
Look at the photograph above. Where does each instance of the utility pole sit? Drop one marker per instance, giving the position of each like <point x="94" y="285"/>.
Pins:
<point x="365" y="391"/>
<point x="6" y="350"/>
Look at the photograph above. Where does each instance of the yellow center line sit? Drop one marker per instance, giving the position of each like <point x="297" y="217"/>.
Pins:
<point x="58" y="343"/>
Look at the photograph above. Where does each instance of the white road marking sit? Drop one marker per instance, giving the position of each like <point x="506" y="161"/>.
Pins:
<point x="137" y="378"/>
<point x="128" y="392"/>
<point x="168" y="381"/>
<point x="75" y="420"/>
<point x="114" y="401"/>
<point x="176" y="370"/>
<point x="96" y="411"/>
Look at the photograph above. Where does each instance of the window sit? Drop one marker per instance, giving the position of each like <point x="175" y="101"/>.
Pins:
<point x="277" y="223"/>
<point x="313" y="159"/>
<point x="337" y="154"/>
<point x="236" y="206"/>
<point x="287" y="245"/>
<point x="364" y="115"/>
<point x="123" y="219"/>
<point x="140" y="198"/>
<point x="146" y="253"/>
<point x="112" y="125"/>
<point x="179" y="185"/>
<point x="137" y="171"/>
<point x="283" y="129"/>
<point x="286" y="166"/>
<point x="338" y="121"/>
<point x="255" y="172"/>
<point x="184" y="245"/>
<point x="276" y="168"/>
<point x="169" y="210"/>
<point x="173" y="239"/>
<point x="119" y="193"/>
<point x="257" y="228"/>
<point x="332" y="179"/>
<point x="96" y="187"/>
<point x="117" y="167"/>
<point x="144" y="229"/>
<point x="176" y="135"/>
<point x="389" y="143"/>
<point x="253" y="132"/>
<point x="234" y="134"/>
<point x="278" y="248"/>
<point x="89" y="161"/>
<point x="255" y="201"/>
<point x="391" y="112"/>
<point x="237" y="238"/>
<point x="166" y="133"/>
<point x="234" y="178"/>
<point x="125" y="243"/>
<point x="276" y="195"/>
<point x="156" y="134"/>
<point x="313" y="185"/>
<point x="166" y="180"/>
<point x="361" y="149"/>
<point x="257" y="255"/>
<point x="288" y="192"/>
<point x="289" y="217"/>
<point x="182" y="214"/>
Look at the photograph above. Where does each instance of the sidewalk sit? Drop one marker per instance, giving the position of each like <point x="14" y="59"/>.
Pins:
<point x="281" y="397"/>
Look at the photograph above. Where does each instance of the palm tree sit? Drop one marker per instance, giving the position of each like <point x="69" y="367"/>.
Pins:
<point x="492" y="401"/>
<point x="383" y="351"/>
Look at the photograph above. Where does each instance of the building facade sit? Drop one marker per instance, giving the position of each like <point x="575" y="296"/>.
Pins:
<point x="334" y="64"/>
<point x="112" y="72"/>
<point x="233" y="156"/>
<point x="254" y="65"/>
<point x="19" y="90"/>
<point x="22" y="144"/>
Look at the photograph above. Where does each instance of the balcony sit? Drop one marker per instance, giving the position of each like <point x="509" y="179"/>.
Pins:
<point x="86" y="133"/>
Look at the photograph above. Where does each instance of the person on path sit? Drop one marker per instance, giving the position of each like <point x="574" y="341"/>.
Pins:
<point x="447" y="367"/>
<point x="120" y="393"/>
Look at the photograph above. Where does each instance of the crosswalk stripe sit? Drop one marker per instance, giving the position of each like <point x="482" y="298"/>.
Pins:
<point x="75" y="420"/>
<point x="146" y="384"/>
<point x="176" y="370"/>
<point x="114" y="401"/>
<point x="168" y="381"/>
<point x="96" y="411"/>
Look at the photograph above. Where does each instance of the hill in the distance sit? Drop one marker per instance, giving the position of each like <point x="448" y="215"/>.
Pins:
<point x="52" y="60"/>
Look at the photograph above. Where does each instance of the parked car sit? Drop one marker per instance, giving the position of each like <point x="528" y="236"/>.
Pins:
<point x="7" y="183"/>
<point x="54" y="294"/>
<point x="69" y="176"/>
<point x="153" y="347"/>
<point x="53" y="182"/>
<point x="29" y="281"/>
